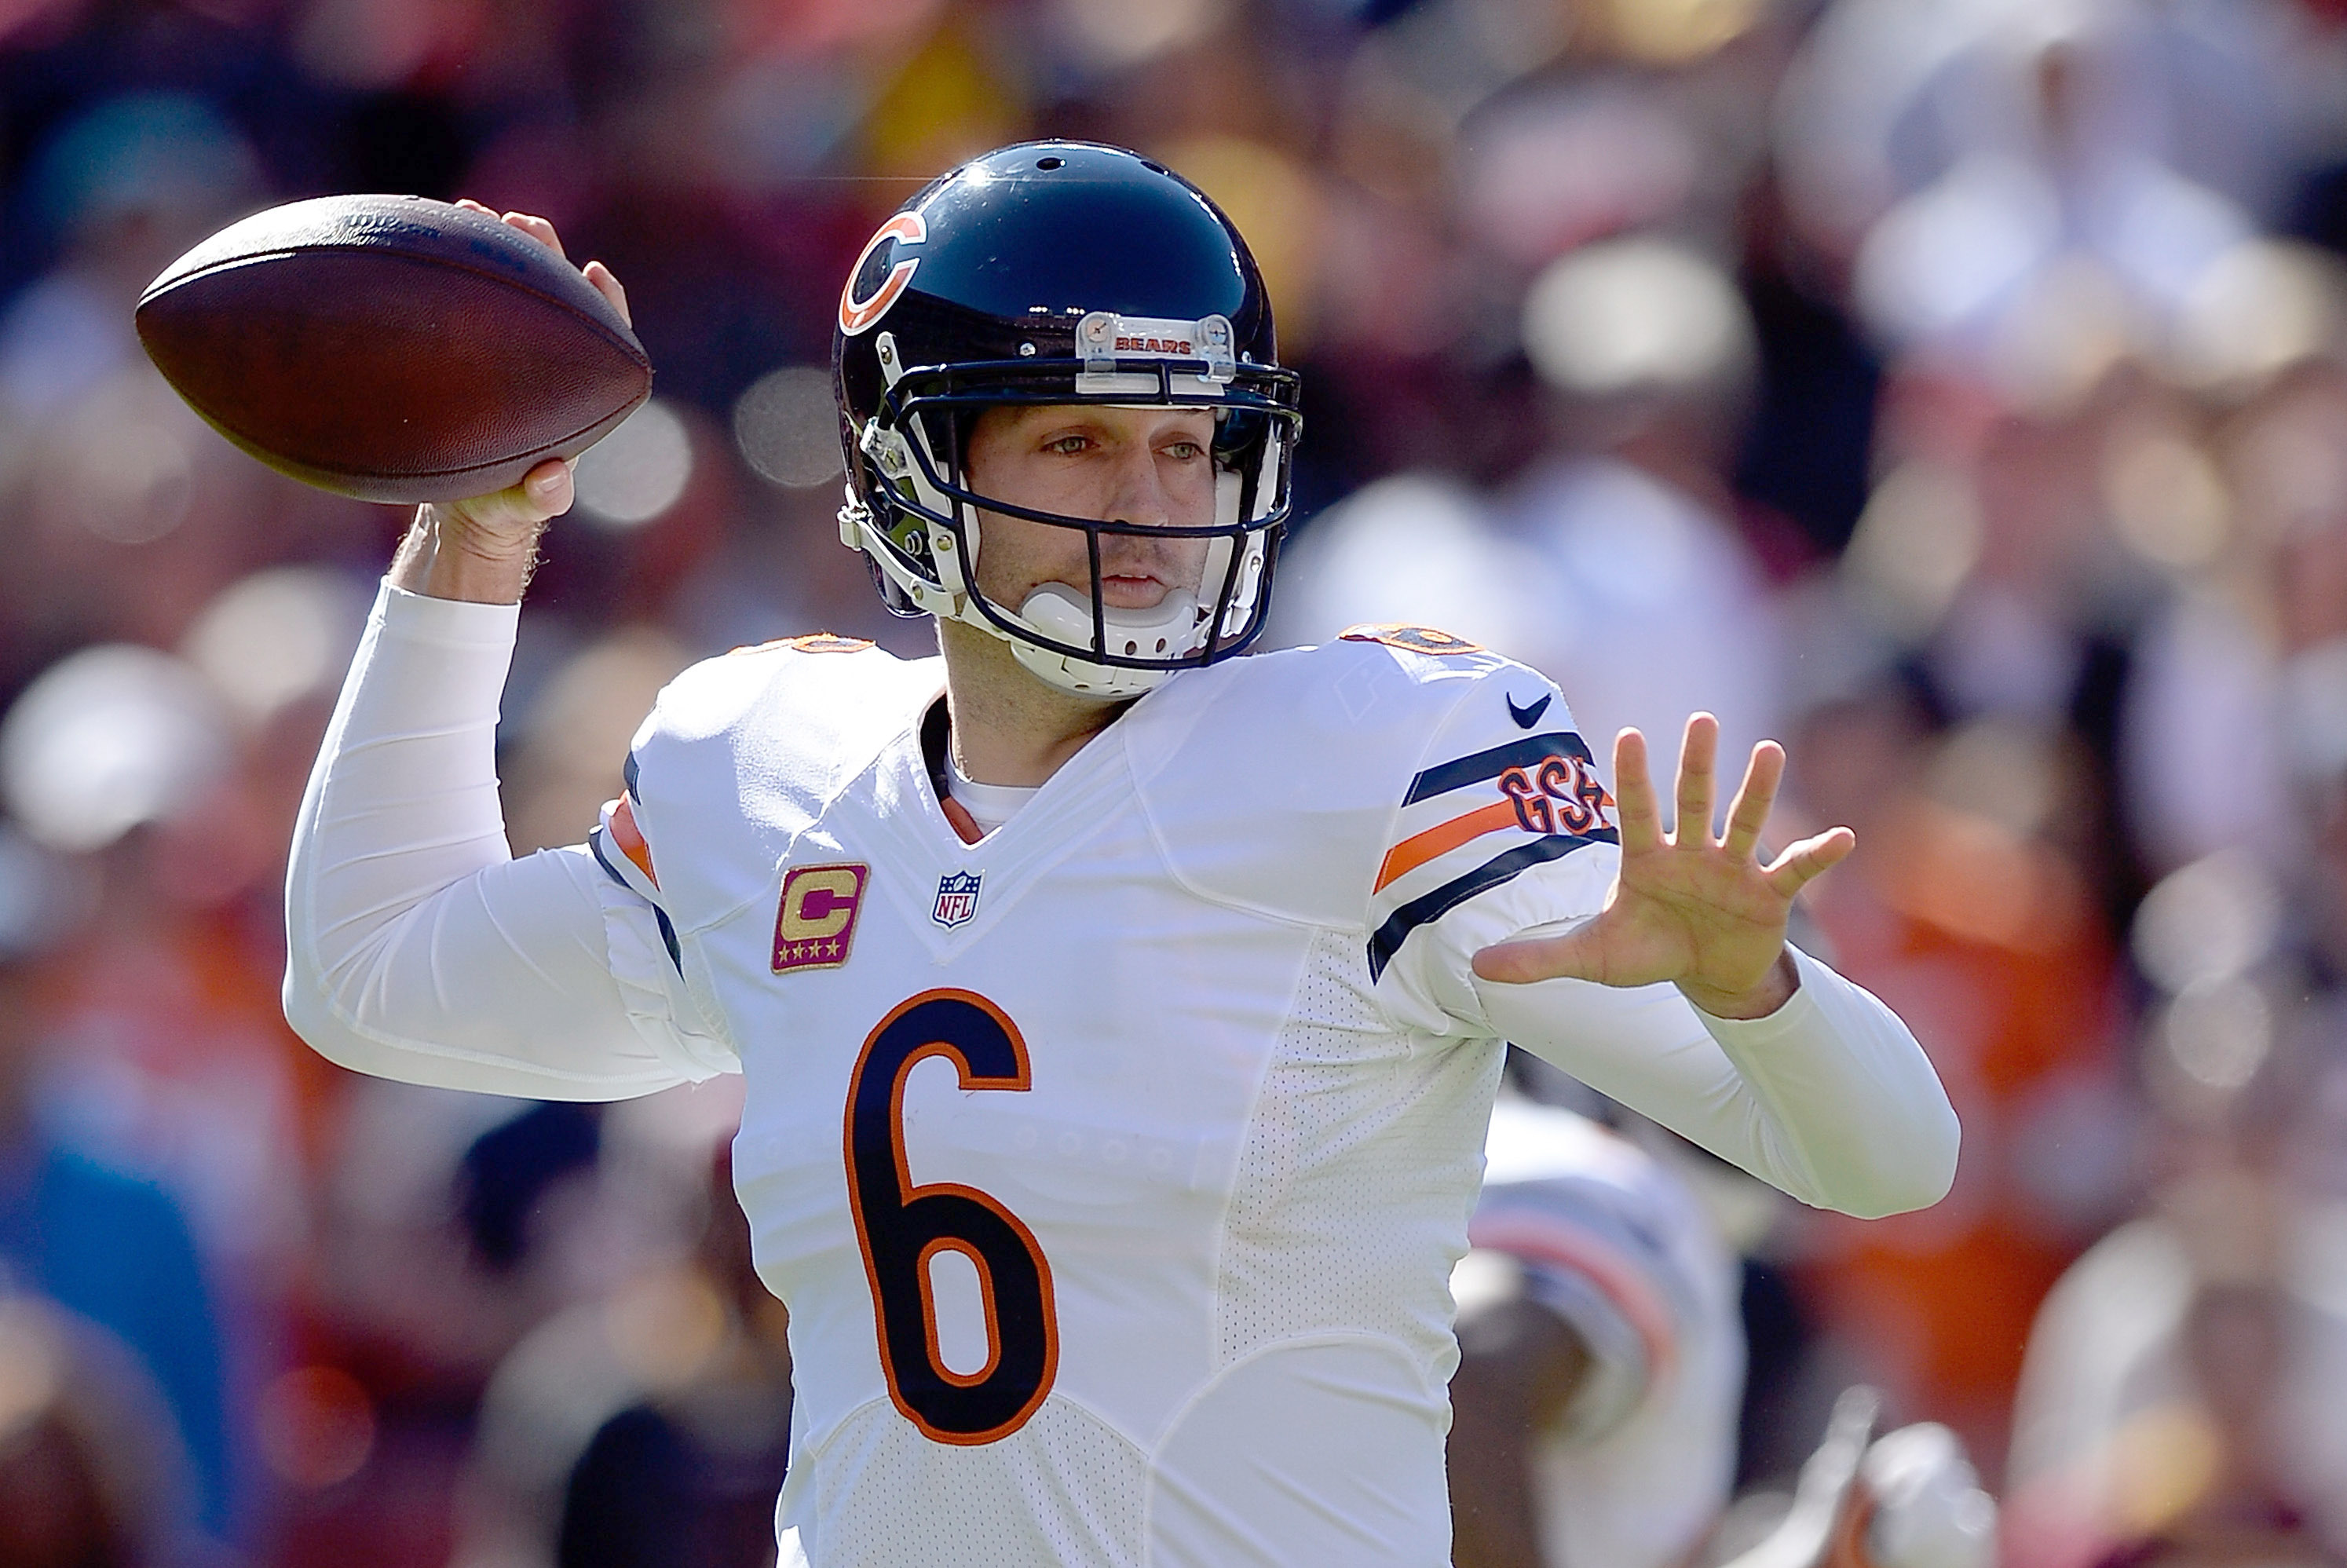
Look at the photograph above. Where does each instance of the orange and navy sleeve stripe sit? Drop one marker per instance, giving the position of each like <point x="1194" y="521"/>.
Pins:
<point x="1533" y="799"/>
<point x="620" y="848"/>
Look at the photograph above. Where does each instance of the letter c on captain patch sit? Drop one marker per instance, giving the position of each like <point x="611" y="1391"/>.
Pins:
<point x="815" y="922"/>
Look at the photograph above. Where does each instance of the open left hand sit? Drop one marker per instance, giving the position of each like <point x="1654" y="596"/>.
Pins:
<point x="1703" y="914"/>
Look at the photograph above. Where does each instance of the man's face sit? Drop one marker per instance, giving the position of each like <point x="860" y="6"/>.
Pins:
<point x="1153" y="466"/>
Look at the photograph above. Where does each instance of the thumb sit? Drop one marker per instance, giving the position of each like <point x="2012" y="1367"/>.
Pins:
<point x="547" y="489"/>
<point x="514" y="514"/>
<point x="1576" y="954"/>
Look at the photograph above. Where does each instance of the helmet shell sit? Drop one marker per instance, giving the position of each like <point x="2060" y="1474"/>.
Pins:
<point x="1059" y="272"/>
<point x="1020" y="245"/>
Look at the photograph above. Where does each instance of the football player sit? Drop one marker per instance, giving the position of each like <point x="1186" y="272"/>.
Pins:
<point x="1601" y="1355"/>
<point x="1601" y="1365"/>
<point x="1118" y="1019"/>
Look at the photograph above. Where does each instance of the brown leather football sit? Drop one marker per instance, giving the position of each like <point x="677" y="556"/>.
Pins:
<point x="391" y="347"/>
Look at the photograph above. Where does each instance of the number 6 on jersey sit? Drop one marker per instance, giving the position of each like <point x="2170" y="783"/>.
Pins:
<point x="901" y="1227"/>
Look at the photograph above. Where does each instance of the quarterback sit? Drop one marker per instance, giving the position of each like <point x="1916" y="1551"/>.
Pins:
<point x="1118" y="1019"/>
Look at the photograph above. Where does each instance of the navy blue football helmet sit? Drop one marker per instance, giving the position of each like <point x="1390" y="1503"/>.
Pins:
<point x="1060" y="272"/>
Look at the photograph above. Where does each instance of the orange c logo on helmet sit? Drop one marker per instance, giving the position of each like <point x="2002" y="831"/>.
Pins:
<point x="858" y="315"/>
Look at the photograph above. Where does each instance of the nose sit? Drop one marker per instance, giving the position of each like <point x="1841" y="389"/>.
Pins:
<point x="1137" y="492"/>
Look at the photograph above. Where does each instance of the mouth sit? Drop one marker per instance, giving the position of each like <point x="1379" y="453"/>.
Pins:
<point x="1132" y="590"/>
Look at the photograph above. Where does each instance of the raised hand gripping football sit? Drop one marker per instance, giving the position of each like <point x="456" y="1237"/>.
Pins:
<point x="545" y="491"/>
<point x="484" y="547"/>
<point x="1700" y="912"/>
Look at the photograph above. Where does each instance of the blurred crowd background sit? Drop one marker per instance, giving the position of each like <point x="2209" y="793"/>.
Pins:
<point x="1956" y="389"/>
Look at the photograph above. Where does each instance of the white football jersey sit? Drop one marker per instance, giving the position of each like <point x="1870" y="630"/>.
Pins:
<point x="1112" y="1167"/>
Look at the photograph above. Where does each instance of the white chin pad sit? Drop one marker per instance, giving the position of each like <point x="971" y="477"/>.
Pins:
<point x="1168" y="631"/>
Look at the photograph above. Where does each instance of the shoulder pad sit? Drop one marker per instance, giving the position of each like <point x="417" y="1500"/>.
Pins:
<point x="740" y="753"/>
<point x="1275" y="781"/>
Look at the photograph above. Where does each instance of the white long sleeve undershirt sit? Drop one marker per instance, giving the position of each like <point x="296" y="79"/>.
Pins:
<point x="419" y="950"/>
<point x="416" y="947"/>
<point x="1830" y="1098"/>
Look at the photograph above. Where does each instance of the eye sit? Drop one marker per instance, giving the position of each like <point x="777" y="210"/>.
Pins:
<point x="1184" y="451"/>
<point x="1068" y="445"/>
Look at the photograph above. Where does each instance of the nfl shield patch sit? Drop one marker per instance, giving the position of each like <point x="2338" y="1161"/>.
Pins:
<point x="957" y="897"/>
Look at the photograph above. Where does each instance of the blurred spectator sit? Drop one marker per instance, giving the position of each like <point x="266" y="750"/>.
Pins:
<point x="1959" y="911"/>
<point x="130" y="513"/>
<point x="660" y="1351"/>
<point x="2181" y="1404"/>
<point x="109" y="1248"/>
<point x="1647" y="351"/>
<point x="563" y="768"/>
<point x="1610" y="566"/>
<point x="129" y="758"/>
<point x="91" y="1472"/>
<point x="2019" y="164"/>
<point x="120" y="191"/>
<point x="688" y="1476"/>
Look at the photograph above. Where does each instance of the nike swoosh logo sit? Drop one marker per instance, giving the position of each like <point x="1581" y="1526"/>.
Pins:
<point x="1526" y="718"/>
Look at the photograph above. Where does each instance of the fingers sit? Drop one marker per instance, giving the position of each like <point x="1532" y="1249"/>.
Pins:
<point x="1698" y="752"/>
<point x="609" y="287"/>
<point x="1749" y="813"/>
<point x="1633" y="794"/>
<point x="538" y="229"/>
<point x="541" y="231"/>
<point x="1803" y="862"/>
